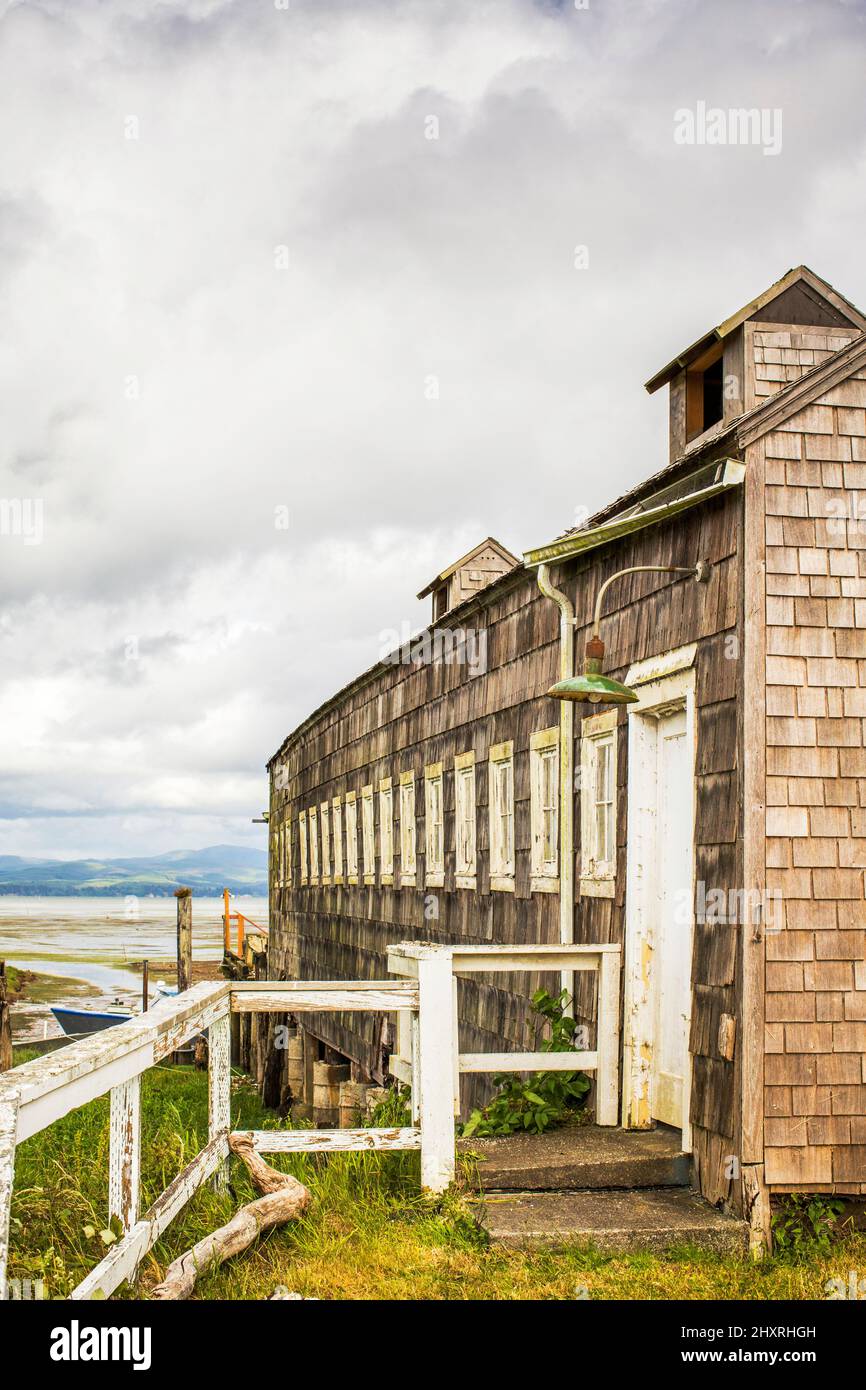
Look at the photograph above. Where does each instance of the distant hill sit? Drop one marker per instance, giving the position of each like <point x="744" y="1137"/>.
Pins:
<point x="206" y="871"/>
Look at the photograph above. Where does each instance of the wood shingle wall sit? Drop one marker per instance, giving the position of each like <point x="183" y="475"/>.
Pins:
<point x="406" y="717"/>
<point x="815" y="1058"/>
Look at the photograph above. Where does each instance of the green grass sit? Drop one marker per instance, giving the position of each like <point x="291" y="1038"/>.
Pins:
<point x="368" y="1234"/>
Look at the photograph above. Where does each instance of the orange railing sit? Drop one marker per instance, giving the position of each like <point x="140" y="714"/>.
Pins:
<point x="243" y="924"/>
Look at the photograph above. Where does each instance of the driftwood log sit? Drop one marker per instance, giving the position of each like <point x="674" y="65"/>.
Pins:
<point x="283" y="1199"/>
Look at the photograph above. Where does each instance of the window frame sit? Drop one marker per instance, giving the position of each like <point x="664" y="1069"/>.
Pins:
<point x="352" y="837"/>
<point x="368" y="836"/>
<point x="325" y="823"/>
<point x="465" y="814"/>
<point x="313" y="836"/>
<point x="337" y="838"/>
<point x="434" y="864"/>
<point x="408" y="821"/>
<point x="386" y="831"/>
<point x="502" y="863"/>
<point x="597" y="876"/>
<point x="544" y="752"/>
<point x="304" y="843"/>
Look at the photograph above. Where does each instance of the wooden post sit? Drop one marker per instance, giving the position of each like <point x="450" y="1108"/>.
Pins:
<point x="184" y="938"/>
<point x="8" y="1135"/>
<point x="124" y="1161"/>
<point x="435" y="1046"/>
<point x="145" y="983"/>
<point x="607" y="1041"/>
<point x="5" y="1023"/>
<point x="219" y="1091"/>
<point x="227" y="921"/>
<point x="755" y="1197"/>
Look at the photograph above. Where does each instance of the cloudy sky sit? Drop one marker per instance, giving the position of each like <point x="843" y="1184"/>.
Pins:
<point x="292" y="316"/>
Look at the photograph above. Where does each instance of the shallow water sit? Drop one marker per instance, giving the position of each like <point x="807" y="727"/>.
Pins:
<point x="88" y="946"/>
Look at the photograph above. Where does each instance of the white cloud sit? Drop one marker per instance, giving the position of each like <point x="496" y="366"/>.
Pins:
<point x="167" y="387"/>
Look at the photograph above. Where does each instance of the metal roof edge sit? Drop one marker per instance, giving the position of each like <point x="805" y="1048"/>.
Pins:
<point x="733" y="471"/>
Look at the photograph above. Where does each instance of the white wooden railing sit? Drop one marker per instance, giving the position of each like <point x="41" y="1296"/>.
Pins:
<point x="415" y="960"/>
<point x="34" y="1095"/>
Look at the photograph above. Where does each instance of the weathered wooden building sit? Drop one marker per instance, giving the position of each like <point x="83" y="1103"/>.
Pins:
<point x="715" y="825"/>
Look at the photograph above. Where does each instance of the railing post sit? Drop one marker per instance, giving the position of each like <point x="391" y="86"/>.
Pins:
<point x="436" y="1065"/>
<point x="227" y="924"/>
<point x="8" y="1135"/>
<point x="219" y="1090"/>
<point x="124" y="1162"/>
<point x="607" y="1040"/>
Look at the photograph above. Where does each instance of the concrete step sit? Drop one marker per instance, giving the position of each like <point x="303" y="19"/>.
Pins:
<point x="578" y="1157"/>
<point x="651" y="1219"/>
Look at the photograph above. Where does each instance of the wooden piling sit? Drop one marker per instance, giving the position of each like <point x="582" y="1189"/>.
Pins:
<point x="184" y="938"/>
<point x="5" y="1023"/>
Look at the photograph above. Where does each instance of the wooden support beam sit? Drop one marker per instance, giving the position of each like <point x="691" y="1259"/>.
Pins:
<point x="528" y="1061"/>
<point x="219" y="1091"/>
<point x="8" y="1131"/>
<point x="123" y="1259"/>
<point x="124" y="1161"/>
<point x="607" y="1043"/>
<point x="435" y="1047"/>
<point x="313" y="999"/>
<point x="284" y="1141"/>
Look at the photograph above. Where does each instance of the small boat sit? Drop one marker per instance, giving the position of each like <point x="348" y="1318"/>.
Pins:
<point x="80" y="1023"/>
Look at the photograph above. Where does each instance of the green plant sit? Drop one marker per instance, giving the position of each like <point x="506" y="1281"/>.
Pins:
<point x="545" y="1099"/>
<point x="395" y="1109"/>
<point x="804" y="1224"/>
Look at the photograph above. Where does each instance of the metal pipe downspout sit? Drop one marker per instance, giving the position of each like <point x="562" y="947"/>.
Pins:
<point x="566" y="764"/>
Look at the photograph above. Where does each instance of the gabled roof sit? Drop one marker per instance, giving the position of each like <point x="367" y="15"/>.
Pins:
<point x="729" y="437"/>
<point x="811" y="284"/>
<point x="506" y="555"/>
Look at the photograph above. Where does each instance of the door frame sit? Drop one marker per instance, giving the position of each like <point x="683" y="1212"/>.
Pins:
<point x="656" y="697"/>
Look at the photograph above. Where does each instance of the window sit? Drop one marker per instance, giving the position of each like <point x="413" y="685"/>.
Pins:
<point x="313" y="822"/>
<point x="705" y="401"/>
<point x="337" y="826"/>
<point x="326" y="842"/>
<point x="464" y="820"/>
<point x="440" y="601"/>
<point x="544" y="809"/>
<point x="434" y="826"/>
<point x="284" y="852"/>
<point x="500" y="794"/>
<point x="351" y="837"/>
<point x="386" y="831"/>
<point x="367" y="834"/>
<point x="598" y="805"/>
<point x="408" y="854"/>
<point x="302" y="836"/>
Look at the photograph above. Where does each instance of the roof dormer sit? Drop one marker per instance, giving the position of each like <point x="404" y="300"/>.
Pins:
<point x="467" y="576"/>
<point x="790" y="328"/>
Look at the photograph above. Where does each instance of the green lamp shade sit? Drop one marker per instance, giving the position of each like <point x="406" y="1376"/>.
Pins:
<point x="594" y="688"/>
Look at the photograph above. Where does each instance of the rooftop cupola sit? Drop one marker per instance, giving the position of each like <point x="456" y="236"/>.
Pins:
<point x="790" y="328"/>
<point x="473" y="572"/>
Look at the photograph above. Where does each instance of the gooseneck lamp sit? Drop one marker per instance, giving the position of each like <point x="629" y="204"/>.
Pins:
<point x="592" y="685"/>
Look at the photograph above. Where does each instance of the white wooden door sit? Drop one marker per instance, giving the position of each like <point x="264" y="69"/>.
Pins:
<point x="673" y="927"/>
